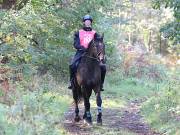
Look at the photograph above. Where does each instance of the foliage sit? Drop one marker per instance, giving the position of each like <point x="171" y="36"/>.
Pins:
<point x="37" y="109"/>
<point x="37" y="37"/>
<point x="41" y="33"/>
<point x="138" y="23"/>
<point x="137" y="63"/>
<point x="172" y="29"/>
<point x="162" y="111"/>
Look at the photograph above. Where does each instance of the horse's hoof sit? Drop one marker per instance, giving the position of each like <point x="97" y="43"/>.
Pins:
<point x="88" y="122"/>
<point x="99" y="122"/>
<point x="84" y="116"/>
<point x="77" y="119"/>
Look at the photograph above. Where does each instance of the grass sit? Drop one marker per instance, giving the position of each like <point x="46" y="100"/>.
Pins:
<point x="162" y="111"/>
<point x="35" y="112"/>
<point x="107" y="102"/>
<point x="110" y="131"/>
<point x="129" y="88"/>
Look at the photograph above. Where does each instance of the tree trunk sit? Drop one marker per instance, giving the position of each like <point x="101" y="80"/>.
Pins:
<point x="15" y="4"/>
<point x="149" y="42"/>
<point x="160" y="44"/>
<point x="129" y="35"/>
<point x="7" y="4"/>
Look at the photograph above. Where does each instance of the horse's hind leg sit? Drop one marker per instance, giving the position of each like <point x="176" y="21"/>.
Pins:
<point x="99" y="108"/>
<point x="75" y="96"/>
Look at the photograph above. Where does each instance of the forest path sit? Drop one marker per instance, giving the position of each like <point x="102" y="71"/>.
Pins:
<point x="116" y="121"/>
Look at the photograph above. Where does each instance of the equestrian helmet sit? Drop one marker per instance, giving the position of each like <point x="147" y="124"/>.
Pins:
<point x="87" y="17"/>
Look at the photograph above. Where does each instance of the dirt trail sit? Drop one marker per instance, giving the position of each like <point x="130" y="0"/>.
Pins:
<point x="115" y="121"/>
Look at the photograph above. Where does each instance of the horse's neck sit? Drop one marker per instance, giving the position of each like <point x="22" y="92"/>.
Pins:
<point x="91" y="54"/>
<point x="89" y="61"/>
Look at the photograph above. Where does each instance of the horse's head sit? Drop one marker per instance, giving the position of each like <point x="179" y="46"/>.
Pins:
<point x="96" y="48"/>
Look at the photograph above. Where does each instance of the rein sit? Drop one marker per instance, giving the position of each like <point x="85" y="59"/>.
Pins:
<point x="84" y="55"/>
<point x="92" y="57"/>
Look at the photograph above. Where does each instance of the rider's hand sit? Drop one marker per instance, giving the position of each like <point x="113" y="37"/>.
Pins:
<point x="83" y="49"/>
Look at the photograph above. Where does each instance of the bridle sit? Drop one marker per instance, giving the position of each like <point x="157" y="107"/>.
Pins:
<point x="98" y="54"/>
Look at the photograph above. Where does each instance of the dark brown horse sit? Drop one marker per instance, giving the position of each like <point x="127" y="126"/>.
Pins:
<point x="88" y="78"/>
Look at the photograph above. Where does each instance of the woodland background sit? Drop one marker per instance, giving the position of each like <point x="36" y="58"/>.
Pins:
<point x="142" y="40"/>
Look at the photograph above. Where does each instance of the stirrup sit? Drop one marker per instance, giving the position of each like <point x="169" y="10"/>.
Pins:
<point x="102" y="89"/>
<point x="70" y="87"/>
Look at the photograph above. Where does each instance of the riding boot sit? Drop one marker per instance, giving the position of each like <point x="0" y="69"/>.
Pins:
<point x="71" y="77"/>
<point x="103" y="73"/>
<point x="70" y="84"/>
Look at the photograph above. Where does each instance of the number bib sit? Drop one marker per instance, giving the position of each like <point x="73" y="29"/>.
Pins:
<point x="86" y="37"/>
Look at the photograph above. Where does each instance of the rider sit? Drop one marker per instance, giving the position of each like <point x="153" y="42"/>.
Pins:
<point x="81" y="40"/>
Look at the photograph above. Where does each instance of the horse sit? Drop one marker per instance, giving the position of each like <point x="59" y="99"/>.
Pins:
<point x="88" y="78"/>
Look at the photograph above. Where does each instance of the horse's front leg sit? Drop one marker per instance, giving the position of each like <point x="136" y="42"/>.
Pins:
<point x="77" y="117"/>
<point x="99" y="108"/>
<point x="87" y="115"/>
<point x="75" y="96"/>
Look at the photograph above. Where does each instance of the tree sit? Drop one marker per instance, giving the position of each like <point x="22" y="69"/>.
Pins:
<point x="171" y="30"/>
<point x="137" y="22"/>
<point x="39" y="34"/>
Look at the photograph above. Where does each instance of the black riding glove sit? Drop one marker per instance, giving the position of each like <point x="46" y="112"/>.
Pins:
<point x="83" y="49"/>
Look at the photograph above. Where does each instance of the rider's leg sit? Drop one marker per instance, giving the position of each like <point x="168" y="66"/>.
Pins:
<point x="71" y="72"/>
